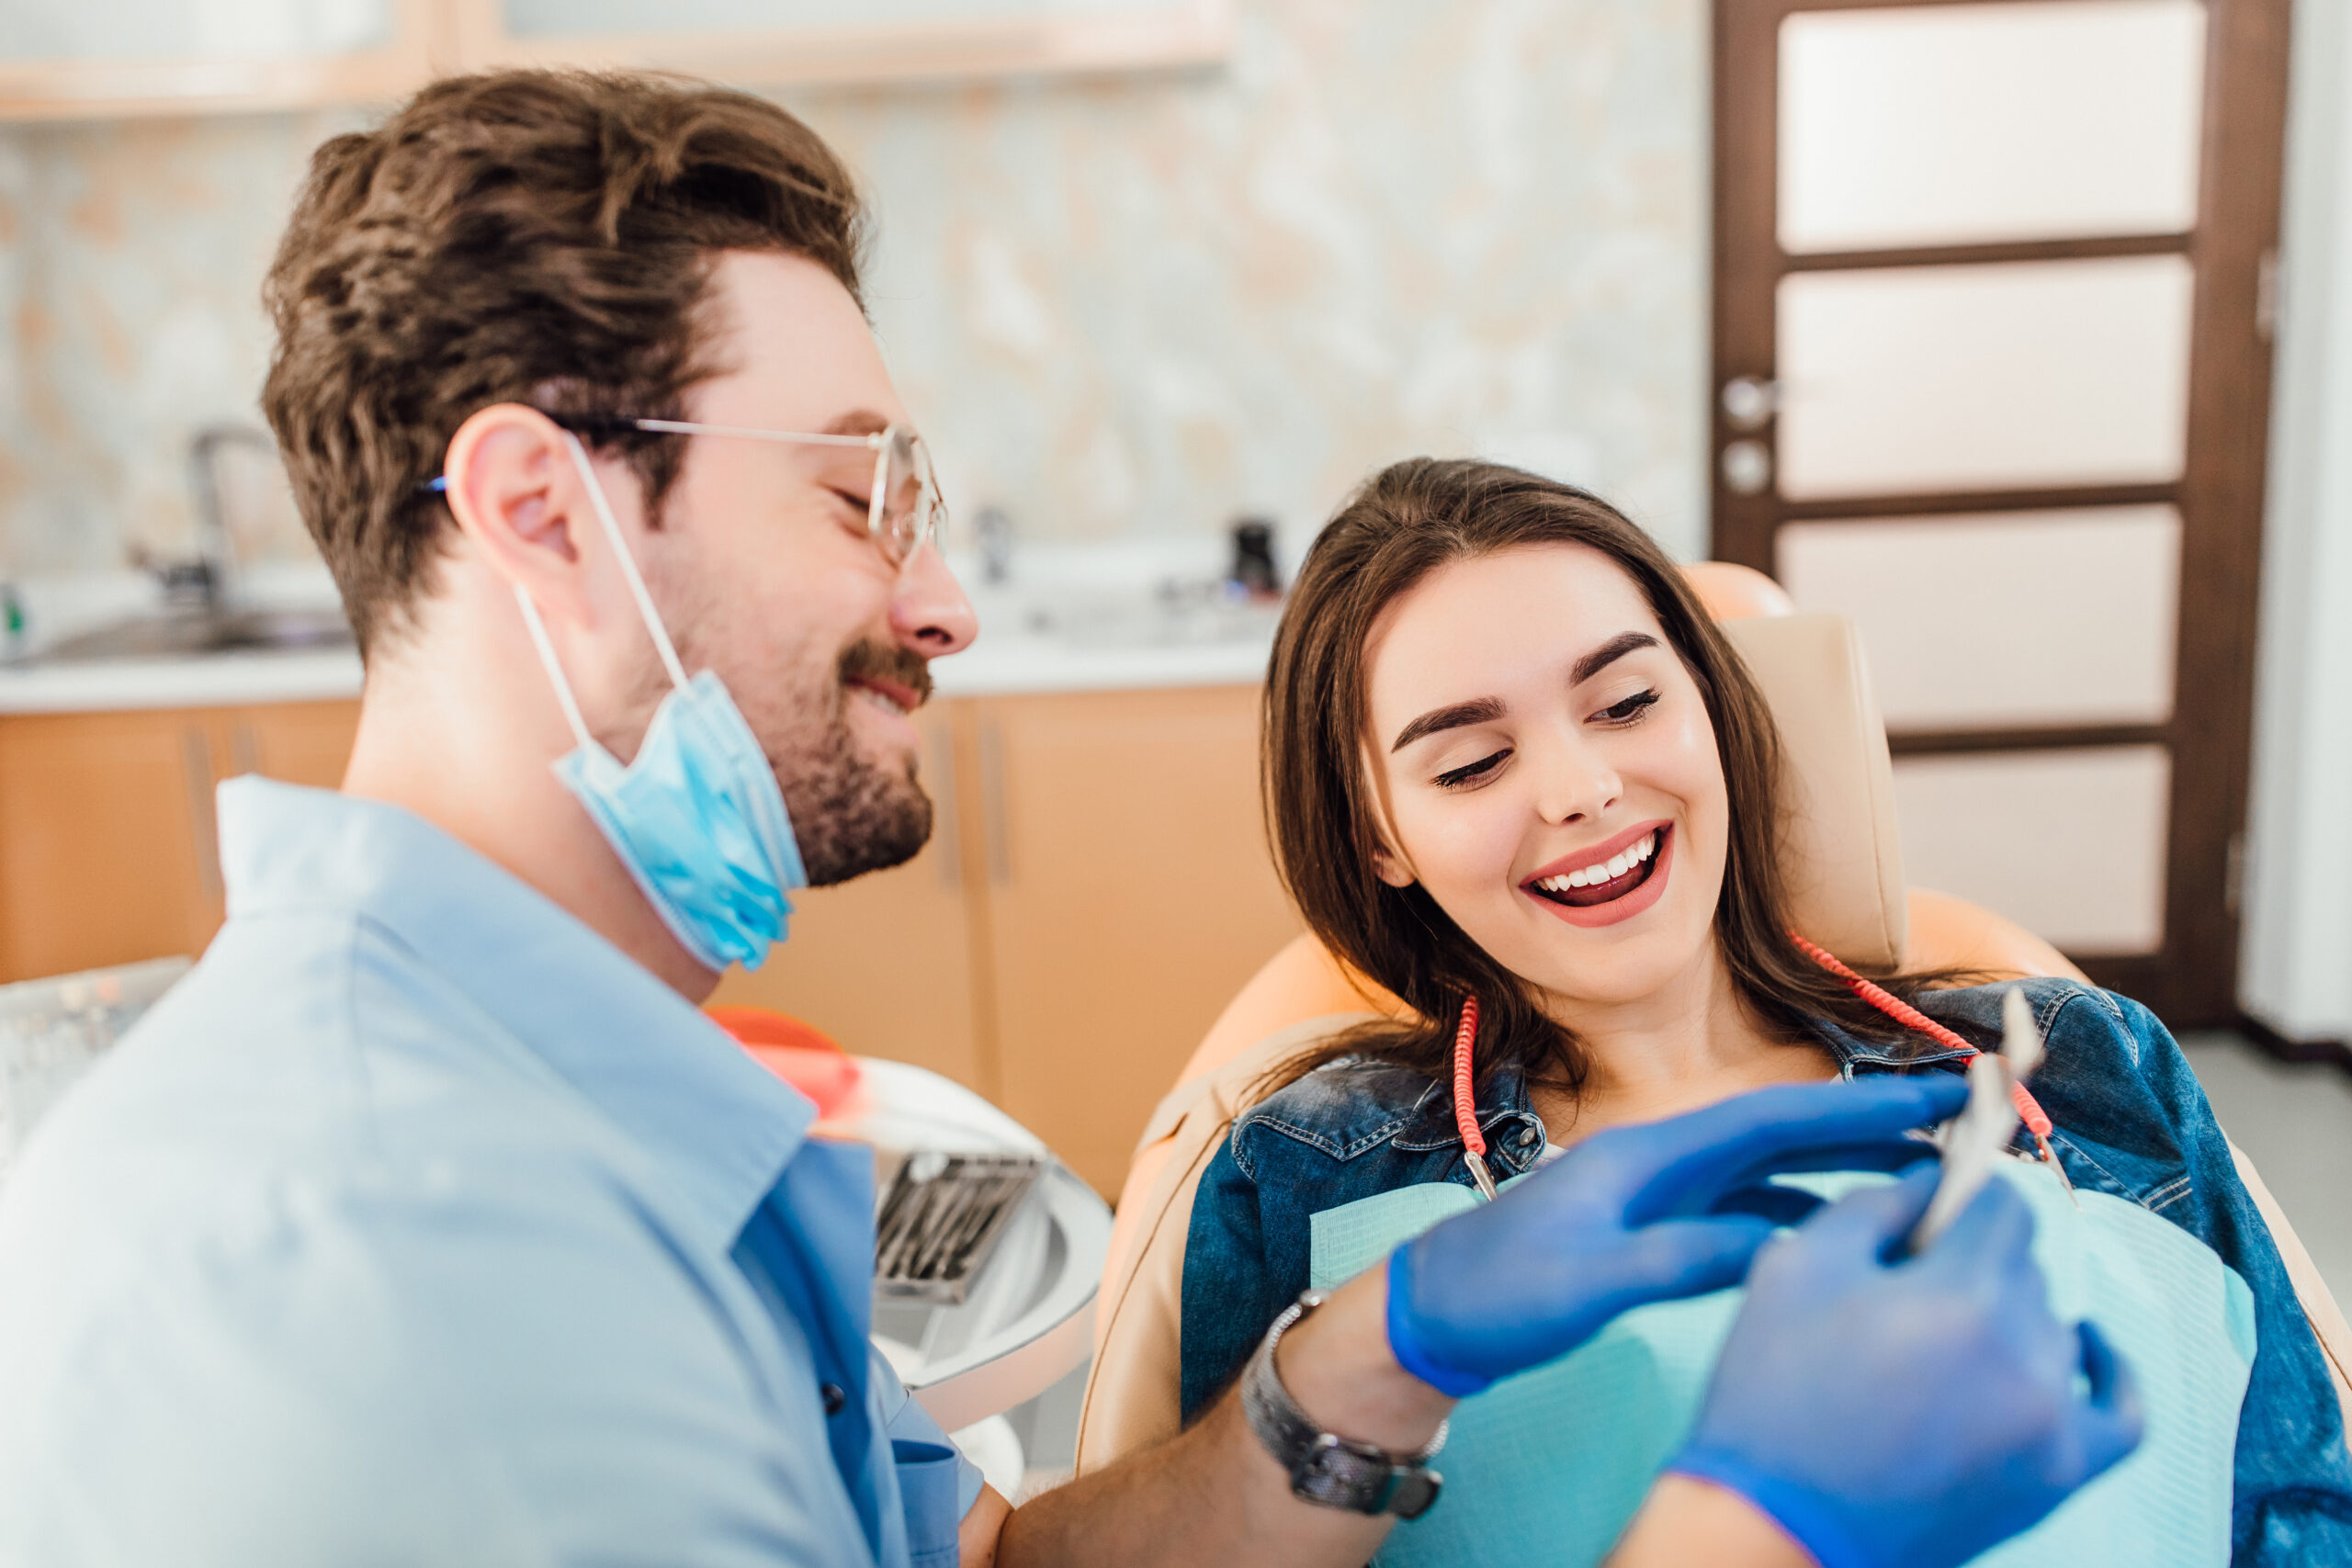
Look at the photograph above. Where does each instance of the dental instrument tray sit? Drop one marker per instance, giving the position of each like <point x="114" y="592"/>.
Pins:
<point x="941" y="1216"/>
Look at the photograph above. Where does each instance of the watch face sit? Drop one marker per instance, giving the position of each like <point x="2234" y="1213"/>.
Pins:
<point x="1338" y="1475"/>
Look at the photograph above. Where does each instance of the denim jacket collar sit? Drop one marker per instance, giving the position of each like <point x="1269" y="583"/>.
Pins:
<point x="1514" y="1132"/>
<point x="1507" y="1117"/>
<point x="1856" y="1055"/>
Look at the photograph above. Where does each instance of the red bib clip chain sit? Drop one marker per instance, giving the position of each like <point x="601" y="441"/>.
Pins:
<point x="1465" y="1039"/>
<point x="1466" y="1107"/>
<point x="2029" y="1111"/>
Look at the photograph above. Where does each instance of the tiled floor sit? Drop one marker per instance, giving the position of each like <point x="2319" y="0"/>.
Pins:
<point x="2296" y="1123"/>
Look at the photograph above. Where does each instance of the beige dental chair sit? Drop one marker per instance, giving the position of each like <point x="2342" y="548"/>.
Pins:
<point x="1849" y="896"/>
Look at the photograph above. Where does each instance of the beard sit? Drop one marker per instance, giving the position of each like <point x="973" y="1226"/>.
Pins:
<point x="850" y="814"/>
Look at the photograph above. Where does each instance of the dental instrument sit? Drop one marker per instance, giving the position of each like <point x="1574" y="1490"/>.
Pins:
<point x="1980" y="1134"/>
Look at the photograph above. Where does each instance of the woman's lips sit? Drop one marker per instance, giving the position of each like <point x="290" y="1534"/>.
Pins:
<point x="1620" y="897"/>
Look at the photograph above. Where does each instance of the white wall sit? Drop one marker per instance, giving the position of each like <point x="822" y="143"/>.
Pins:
<point x="2297" y="961"/>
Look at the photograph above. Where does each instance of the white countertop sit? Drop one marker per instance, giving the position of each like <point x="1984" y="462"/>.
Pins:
<point x="1110" y="590"/>
<point x="1012" y="666"/>
<point x="217" y="679"/>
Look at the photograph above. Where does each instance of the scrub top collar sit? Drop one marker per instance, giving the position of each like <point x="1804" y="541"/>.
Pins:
<point x="721" y="1127"/>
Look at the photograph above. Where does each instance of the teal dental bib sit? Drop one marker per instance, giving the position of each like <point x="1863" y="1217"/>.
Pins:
<point x="1550" y="1466"/>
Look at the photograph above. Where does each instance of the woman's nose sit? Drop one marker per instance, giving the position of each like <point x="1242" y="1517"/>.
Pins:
<point x="1576" y="784"/>
<point x="928" y="609"/>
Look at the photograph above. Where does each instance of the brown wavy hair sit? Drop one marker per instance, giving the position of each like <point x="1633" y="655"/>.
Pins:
<point x="542" y="237"/>
<point x="1405" y="522"/>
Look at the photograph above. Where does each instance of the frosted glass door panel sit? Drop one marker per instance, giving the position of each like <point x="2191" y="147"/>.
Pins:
<point x="2016" y="618"/>
<point x="1910" y="379"/>
<point x="583" y="18"/>
<point x="1967" y="124"/>
<point x="193" y="29"/>
<point x="2068" y="844"/>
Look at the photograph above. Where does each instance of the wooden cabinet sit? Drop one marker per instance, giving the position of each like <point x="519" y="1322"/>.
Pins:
<point x="106" y="820"/>
<point x="1096" y="887"/>
<point x="830" y="40"/>
<point x="109" y="852"/>
<point x="59" y="61"/>
<point x="80" y="62"/>
<point x="1130" y="894"/>
<point x="301" y="743"/>
<point x="1097" y="890"/>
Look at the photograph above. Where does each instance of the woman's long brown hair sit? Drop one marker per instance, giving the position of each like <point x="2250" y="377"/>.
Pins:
<point x="1405" y="522"/>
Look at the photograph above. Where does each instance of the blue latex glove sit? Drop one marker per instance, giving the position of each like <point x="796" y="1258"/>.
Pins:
<point x="1914" y="1411"/>
<point x="1633" y="1215"/>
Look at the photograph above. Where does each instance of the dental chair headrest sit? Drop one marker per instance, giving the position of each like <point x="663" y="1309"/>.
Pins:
<point x="1837" y="784"/>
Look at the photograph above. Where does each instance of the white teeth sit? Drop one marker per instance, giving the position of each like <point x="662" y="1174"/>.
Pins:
<point x="1609" y="870"/>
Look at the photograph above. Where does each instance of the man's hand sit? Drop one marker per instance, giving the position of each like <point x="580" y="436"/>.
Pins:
<point x="1635" y="1215"/>
<point x="1915" y="1411"/>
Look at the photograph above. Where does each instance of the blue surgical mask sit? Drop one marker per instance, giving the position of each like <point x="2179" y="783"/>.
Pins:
<point x="696" y="817"/>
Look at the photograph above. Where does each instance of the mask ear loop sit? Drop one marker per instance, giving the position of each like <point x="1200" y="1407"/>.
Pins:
<point x="538" y="629"/>
<point x="661" y="644"/>
<point x="563" y="696"/>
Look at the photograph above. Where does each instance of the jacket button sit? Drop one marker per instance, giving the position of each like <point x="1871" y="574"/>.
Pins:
<point x="1527" y="1137"/>
<point x="836" y="1398"/>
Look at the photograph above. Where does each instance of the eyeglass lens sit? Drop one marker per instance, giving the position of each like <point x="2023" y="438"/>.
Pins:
<point x="909" y="510"/>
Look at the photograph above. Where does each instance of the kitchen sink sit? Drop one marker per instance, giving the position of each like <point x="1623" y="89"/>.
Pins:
<point x="1172" y="615"/>
<point x="192" y="633"/>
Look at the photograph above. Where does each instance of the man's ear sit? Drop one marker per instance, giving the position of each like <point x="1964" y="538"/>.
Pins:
<point x="518" y="500"/>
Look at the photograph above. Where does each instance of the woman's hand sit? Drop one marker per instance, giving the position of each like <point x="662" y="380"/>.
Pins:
<point x="1635" y="1215"/>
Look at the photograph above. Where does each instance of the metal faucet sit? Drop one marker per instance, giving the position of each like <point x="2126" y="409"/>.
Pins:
<point x="994" y="527"/>
<point x="206" y="584"/>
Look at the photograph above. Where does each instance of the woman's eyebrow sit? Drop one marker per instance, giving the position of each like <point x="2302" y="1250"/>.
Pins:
<point x="1607" y="653"/>
<point x="1453" y="715"/>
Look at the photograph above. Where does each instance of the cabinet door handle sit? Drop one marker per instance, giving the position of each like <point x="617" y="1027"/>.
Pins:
<point x="992" y="802"/>
<point x="195" y="769"/>
<point x="947" y="831"/>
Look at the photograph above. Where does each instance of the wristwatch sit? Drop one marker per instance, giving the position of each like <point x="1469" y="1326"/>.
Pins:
<point x="1334" y="1471"/>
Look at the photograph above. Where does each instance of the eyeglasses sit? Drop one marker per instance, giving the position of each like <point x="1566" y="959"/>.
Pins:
<point x="904" y="510"/>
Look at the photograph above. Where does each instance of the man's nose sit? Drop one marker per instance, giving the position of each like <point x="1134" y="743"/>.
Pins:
<point x="928" y="610"/>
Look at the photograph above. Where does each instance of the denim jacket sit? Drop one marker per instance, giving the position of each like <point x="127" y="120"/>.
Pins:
<point x="2132" y="1120"/>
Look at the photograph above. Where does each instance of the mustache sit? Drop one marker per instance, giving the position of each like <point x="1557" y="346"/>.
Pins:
<point x="869" y="660"/>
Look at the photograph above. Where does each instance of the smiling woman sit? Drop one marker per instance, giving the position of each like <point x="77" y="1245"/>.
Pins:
<point x="1516" y="775"/>
<point x="1486" y="683"/>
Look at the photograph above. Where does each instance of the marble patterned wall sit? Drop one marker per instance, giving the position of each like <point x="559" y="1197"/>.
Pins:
<point x="1120" y="305"/>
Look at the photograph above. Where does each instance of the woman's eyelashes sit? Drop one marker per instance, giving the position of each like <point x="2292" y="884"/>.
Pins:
<point x="1617" y="715"/>
<point x="1630" y="711"/>
<point x="1472" y="774"/>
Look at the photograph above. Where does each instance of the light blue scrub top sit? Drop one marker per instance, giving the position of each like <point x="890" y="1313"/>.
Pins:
<point x="419" y="1224"/>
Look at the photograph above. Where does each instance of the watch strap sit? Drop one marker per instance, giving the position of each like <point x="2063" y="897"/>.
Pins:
<point x="1325" y="1469"/>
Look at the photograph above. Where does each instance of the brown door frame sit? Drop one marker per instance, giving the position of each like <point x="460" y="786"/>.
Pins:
<point x="2193" y="980"/>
